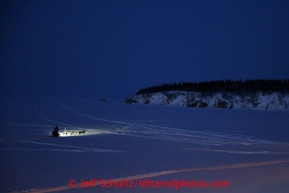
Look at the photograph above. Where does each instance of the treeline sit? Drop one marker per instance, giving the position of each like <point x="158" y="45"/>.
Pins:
<point x="264" y="85"/>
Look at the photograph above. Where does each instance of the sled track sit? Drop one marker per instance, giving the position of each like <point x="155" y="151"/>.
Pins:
<point x="77" y="147"/>
<point x="91" y="117"/>
<point x="238" y="152"/>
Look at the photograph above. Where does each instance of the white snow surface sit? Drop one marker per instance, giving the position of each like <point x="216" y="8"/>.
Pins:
<point x="137" y="142"/>
<point x="259" y="100"/>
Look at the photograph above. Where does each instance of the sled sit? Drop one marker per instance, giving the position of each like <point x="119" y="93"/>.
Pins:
<point x="55" y="134"/>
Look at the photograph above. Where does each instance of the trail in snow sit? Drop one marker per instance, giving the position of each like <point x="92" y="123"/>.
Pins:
<point x="91" y="117"/>
<point x="64" y="150"/>
<point x="27" y="125"/>
<point x="239" y="152"/>
<point x="197" y="137"/>
<point x="85" y="148"/>
<point x="22" y="114"/>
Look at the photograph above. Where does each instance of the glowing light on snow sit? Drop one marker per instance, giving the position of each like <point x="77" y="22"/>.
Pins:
<point x="87" y="132"/>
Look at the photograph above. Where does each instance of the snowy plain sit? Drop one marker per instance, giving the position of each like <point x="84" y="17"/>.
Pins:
<point x="248" y="148"/>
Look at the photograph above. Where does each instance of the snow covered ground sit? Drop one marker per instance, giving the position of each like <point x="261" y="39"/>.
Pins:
<point x="249" y="149"/>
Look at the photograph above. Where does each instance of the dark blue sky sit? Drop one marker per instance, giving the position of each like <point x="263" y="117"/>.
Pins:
<point x="112" y="48"/>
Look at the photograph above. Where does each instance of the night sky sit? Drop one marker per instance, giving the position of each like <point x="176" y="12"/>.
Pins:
<point x="113" y="48"/>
